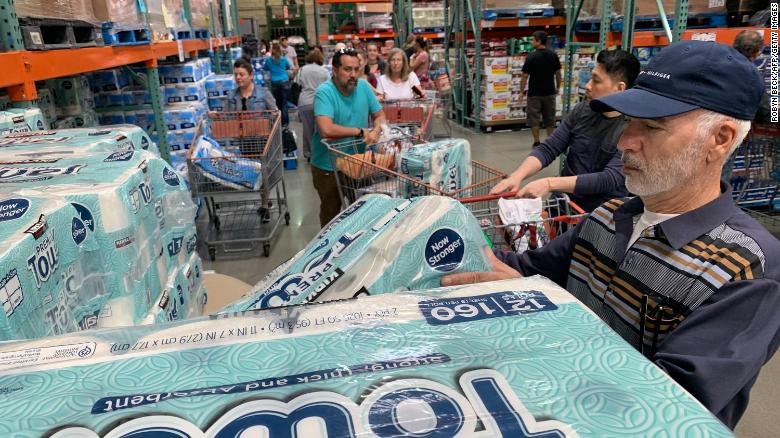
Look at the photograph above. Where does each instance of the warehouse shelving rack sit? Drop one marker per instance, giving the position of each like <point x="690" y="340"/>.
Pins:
<point x="22" y="68"/>
<point x="465" y="19"/>
<point x="400" y="27"/>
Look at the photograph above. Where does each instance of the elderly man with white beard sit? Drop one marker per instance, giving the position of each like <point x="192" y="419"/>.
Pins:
<point x="680" y="272"/>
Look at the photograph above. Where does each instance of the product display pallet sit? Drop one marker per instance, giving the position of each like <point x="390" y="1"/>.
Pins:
<point x="698" y="21"/>
<point x="201" y="33"/>
<point x="183" y="34"/>
<point x="589" y="25"/>
<point x="417" y="30"/>
<point x="492" y="14"/>
<point x="125" y="37"/>
<point x="53" y="33"/>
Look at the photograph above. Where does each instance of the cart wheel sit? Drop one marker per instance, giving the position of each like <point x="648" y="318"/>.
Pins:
<point x="266" y="249"/>
<point x="287" y="218"/>
<point x="216" y="223"/>
<point x="212" y="253"/>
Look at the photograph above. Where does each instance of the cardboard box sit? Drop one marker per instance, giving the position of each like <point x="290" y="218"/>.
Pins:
<point x="379" y="8"/>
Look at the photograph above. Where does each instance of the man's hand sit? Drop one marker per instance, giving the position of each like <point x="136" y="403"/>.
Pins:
<point x="510" y="184"/>
<point x="536" y="189"/>
<point x="501" y="271"/>
<point x="371" y="137"/>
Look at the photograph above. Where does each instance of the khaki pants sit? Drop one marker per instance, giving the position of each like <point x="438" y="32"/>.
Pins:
<point x="327" y="189"/>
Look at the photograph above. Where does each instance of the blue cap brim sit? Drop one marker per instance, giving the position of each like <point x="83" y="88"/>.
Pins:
<point x="642" y="104"/>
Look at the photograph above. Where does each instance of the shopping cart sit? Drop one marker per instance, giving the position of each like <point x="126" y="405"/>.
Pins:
<point x="410" y="117"/>
<point x="558" y="214"/>
<point x="237" y="178"/>
<point x="362" y="169"/>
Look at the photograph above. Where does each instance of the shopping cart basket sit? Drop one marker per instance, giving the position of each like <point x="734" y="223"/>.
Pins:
<point x="236" y="176"/>
<point x="410" y="117"/>
<point x="558" y="214"/>
<point x="362" y="169"/>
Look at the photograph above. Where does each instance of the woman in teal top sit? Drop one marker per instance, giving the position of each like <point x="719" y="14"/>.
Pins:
<point x="279" y="70"/>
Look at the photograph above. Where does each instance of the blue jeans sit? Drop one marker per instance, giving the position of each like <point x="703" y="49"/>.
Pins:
<point x="281" y="92"/>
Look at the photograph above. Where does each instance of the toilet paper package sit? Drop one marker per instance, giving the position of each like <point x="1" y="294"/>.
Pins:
<point x="378" y="245"/>
<point x="187" y="92"/>
<point x="108" y="138"/>
<point x="128" y="201"/>
<point x="72" y="95"/>
<point x="51" y="277"/>
<point x="46" y="104"/>
<point x="225" y="168"/>
<point x="509" y="359"/>
<point x="15" y="120"/>
<point x="220" y="85"/>
<point x="444" y="164"/>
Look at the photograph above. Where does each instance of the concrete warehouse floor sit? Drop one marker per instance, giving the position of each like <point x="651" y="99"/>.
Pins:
<point x="502" y="150"/>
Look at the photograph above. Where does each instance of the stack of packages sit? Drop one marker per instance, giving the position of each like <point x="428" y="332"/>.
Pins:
<point x="514" y="358"/>
<point x="218" y="88"/>
<point x="185" y="104"/>
<point x="61" y="9"/>
<point x="98" y="231"/>
<point x="377" y="245"/>
<point x="13" y="120"/>
<point x="119" y="15"/>
<point x="115" y="90"/>
<point x="428" y="16"/>
<point x="200" y="14"/>
<point x="375" y="16"/>
<point x="73" y="101"/>
<point x="496" y="95"/>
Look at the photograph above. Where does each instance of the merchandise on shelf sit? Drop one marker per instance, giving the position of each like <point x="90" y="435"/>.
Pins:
<point x="46" y="104"/>
<point x="591" y="9"/>
<point x="72" y="95"/>
<point x="182" y="93"/>
<point x="60" y="9"/>
<point x="174" y="15"/>
<point x="218" y="88"/>
<point x="5" y="102"/>
<point x="374" y="16"/>
<point x="444" y="164"/>
<point x="446" y="360"/>
<point x="122" y="14"/>
<point x="200" y="13"/>
<point x="428" y="15"/>
<point x="105" y="258"/>
<point x="188" y="72"/>
<point x="420" y="240"/>
<point x="184" y="116"/>
<point x="15" y="120"/>
<point x="157" y="20"/>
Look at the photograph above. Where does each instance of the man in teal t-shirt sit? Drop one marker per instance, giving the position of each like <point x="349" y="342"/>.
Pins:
<point x="341" y="108"/>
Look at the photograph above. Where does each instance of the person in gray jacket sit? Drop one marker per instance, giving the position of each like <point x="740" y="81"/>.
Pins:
<point x="310" y="76"/>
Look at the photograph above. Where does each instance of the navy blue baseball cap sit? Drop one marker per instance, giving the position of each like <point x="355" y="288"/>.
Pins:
<point x="689" y="75"/>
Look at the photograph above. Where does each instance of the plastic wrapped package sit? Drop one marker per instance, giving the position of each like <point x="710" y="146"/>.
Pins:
<point x="648" y="8"/>
<point x="505" y="359"/>
<point x="173" y="14"/>
<point x="15" y="120"/>
<point x="200" y="13"/>
<point x="220" y="85"/>
<point x="377" y="245"/>
<point x="444" y="164"/>
<point x="188" y="92"/>
<point x="184" y="116"/>
<point x="156" y="18"/>
<point x="226" y="168"/>
<point x="128" y="200"/>
<point x="62" y="9"/>
<point x="72" y="95"/>
<point x="110" y="138"/>
<point x="124" y="14"/>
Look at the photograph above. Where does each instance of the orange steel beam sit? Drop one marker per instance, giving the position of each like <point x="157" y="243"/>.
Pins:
<point x="22" y="68"/>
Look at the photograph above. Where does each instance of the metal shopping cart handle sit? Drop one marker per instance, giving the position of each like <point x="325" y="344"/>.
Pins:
<point x="493" y="197"/>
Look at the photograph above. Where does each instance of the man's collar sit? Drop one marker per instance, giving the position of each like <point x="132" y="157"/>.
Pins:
<point x="686" y="227"/>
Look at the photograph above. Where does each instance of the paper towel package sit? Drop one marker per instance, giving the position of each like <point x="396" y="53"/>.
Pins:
<point x="510" y="359"/>
<point x="444" y="164"/>
<point x="109" y="138"/>
<point x="377" y="245"/>
<point x="15" y="120"/>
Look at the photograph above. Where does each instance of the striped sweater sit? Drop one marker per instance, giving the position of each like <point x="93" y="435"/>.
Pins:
<point x="701" y="291"/>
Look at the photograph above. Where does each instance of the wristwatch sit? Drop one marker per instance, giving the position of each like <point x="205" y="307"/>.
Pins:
<point x="360" y="134"/>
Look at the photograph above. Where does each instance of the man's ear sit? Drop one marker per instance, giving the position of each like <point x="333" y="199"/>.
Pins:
<point x="721" y="141"/>
<point x="622" y="86"/>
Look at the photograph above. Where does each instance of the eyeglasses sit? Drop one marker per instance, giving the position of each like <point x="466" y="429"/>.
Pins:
<point x="347" y="51"/>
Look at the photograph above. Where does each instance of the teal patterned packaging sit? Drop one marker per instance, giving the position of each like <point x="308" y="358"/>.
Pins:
<point x="377" y="245"/>
<point x="110" y="138"/>
<point x="51" y="278"/>
<point x="513" y="359"/>
<point x="444" y="165"/>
